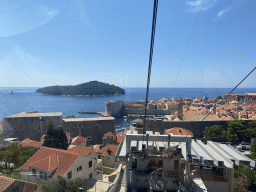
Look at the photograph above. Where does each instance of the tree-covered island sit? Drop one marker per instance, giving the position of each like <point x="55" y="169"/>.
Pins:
<point x="92" y="88"/>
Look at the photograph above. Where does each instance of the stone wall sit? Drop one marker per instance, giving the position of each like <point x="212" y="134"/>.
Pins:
<point x="114" y="108"/>
<point x="197" y="127"/>
<point x="28" y="127"/>
<point x="91" y="128"/>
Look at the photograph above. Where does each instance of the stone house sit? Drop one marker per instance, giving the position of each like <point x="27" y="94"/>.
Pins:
<point x="109" y="138"/>
<point x="79" y="141"/>
<point x="107" y="153"/>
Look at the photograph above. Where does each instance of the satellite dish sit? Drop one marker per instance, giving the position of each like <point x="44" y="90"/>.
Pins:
<point x="89" y="138"/>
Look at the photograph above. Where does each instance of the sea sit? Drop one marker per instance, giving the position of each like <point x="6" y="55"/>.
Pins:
<point x="25" y="99"/>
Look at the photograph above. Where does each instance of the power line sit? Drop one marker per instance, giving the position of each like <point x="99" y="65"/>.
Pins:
<point x="188" y="44"/>
<point x="228" y="95"/>
<point x="150" y="58"/>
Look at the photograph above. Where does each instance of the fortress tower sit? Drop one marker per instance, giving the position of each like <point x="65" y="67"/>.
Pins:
<point x="180" y="108"/>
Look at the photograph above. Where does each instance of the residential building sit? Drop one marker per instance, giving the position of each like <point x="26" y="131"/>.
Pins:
<point x="109" y="138"/>
<point x="107" y="153"/>
<point x="48" y="163"/>
<point x="79" y="141"/>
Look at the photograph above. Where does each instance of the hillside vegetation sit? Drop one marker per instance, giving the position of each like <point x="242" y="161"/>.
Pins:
<point x="92" y="88"/>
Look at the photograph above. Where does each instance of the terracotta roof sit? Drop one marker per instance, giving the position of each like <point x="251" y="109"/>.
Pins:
<point x="27" y="139"/>
<point x="177" y="119"/>
<point x="67" y="134"/>
<point x="178" y="131"/>
<point x="48" y="163"/>
<point x="46" y="159"/>
<point x="190" y="112"/>
<point x="120" y="138"/>
<point x="109" y="149"/>
<point x="109" y="134"/>
<point x="86" y="151"/>
<point x="5" y="182"/>
<point x="78" y="139"/>
<point x="30" y="143"/>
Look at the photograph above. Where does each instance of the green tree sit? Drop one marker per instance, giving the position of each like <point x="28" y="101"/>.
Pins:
<point x="16" y="154"/>
<point x="253" y="148"/>
<point x="236" y="130"/>
<point x="250" y="175"/>
<point x="251" y="130"/>
<point x="215" y="133"/>
<point x="61" y="184"/>
<point x="219" y="97"/>
<point x="55" y="138"/>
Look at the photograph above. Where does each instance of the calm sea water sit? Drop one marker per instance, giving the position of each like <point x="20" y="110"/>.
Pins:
<point x="26" y="99"/>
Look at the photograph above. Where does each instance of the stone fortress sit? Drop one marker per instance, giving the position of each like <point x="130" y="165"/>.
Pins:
<point x="33" y="125"/>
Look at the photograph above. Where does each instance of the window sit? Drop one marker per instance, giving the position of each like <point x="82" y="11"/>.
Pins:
<point x="70" y="175"/>
<point x="33" y="172"/>
<point x="90" y="164"/>
<point x="43" y="175"/>
<point x="79" y="168"/>
<point x="90" y="176"/>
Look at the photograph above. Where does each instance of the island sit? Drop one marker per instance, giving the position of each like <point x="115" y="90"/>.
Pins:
<point x="92" y="88"/>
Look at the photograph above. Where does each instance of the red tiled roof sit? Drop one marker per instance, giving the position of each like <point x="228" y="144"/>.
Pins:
<point x="30" y="143"/>
<point x="178" y="131"/>
<point x="48" y="163"/>
<point x="46" y="159"/>
<point x="120" y="138"/>
<point x="86" y="151"/>
<point x="109" y="134"/>
<point x="109" y="149"/>
<point x="67" y="134"/>
<point x="78" y="139"/>
<point x="190" y="112"/>
<point x="5" y="182"/>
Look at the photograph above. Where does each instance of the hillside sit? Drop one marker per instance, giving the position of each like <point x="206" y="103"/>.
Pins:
<point x="92" y="88"/>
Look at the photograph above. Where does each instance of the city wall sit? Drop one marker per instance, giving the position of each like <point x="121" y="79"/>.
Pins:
<point x="197" y="127"/>
<point x="114" y="108"/>
<point x="28" y="127"/>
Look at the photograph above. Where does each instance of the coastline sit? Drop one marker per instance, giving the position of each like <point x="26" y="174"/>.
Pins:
<point x="84" y="95"/>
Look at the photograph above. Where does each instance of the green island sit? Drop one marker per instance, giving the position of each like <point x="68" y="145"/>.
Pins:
<point x="92" y="88"/>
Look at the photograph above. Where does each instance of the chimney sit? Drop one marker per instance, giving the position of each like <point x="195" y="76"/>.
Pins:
<point x="108" y="151"/>
<point x="57" y="160"/>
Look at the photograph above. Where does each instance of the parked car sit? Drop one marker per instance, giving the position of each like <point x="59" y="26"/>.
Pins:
<point x="245" y="148"/>
<point x="223" y="143"/>
<point x="234" y="143"/>
<point x="245" y="143"/>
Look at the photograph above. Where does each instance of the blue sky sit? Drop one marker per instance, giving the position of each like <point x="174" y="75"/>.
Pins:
<point x="60" y="42"/>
